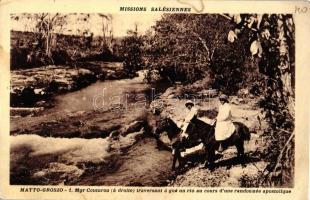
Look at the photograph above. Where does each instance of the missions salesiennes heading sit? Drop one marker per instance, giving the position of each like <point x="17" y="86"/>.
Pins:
<point x="154" y="9"/>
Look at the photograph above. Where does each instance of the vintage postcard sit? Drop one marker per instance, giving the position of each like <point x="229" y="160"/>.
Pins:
<point x="156" y="99"/>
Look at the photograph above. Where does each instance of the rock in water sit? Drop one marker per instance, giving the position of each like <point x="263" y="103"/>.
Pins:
<point x="132" y="127"/>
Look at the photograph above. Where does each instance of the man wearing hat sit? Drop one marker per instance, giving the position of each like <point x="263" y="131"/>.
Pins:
<point x="224" y="126"/>
<point x="191" y="113"/>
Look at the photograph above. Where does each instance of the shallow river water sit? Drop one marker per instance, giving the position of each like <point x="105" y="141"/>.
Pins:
<point x="80" y="161"/>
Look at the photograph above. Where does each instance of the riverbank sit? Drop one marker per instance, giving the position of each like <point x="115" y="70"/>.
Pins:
<point x="34" y="88"/>
<point x="28" y="86"/>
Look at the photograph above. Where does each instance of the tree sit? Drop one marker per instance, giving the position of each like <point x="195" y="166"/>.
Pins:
<point x="46" y="25"/>
<point x="104" y="18"/>
<point x="131" y="48"/>
<point x="107" y="29"/>
<point x="189" y="47"/>
<point x="273" y="44"/>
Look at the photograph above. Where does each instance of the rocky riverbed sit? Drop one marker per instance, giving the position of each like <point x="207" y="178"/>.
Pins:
<point x="76" y="141"/>
<point x="28" y="86"/>
<point x="31" y="87"/>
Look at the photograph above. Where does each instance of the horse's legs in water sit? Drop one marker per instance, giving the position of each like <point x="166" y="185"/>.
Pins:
<point x="176" y="157"/>
<point x="210" y="158"/>
<point x="240" y="149"/>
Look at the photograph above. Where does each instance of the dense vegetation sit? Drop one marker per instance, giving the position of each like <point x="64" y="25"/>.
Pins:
<point x="131" y="51"/>
<point x="187" y="48"/>
<point x="46" y="42"/>
<point x="235" y="52"/>
<point x="26" y="51"/>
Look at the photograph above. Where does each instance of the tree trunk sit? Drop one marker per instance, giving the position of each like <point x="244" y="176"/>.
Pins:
<point x="47" y="45"/>
<point x="103" y="33"/>
<point x="285" y="64"/>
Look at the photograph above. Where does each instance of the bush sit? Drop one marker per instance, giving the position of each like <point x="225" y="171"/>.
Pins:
<point x="187" y="48"/>
<point x="131" y="49"/>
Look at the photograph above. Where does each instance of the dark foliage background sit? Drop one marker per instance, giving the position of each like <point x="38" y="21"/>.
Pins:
<point x="27" y="51"/>
<point x="131" y="50"/>
<point x="187" y="48"/>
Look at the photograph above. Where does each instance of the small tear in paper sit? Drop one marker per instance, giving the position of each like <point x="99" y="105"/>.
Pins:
<point x="198" y="5"/>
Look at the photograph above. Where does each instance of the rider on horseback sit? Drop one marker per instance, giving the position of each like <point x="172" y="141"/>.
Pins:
<point x="191" y="113"/>
<point x="224" y="126"/>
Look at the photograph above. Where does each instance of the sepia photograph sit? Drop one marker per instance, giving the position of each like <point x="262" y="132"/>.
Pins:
<point x="155" y="99"/>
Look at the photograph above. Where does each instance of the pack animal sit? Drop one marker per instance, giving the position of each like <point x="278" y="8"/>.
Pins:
<point x="205" y="133"/>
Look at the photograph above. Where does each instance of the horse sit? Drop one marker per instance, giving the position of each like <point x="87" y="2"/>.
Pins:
<point x="199" y="131"/>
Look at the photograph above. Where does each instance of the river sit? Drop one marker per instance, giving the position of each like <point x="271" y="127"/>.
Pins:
<point x="80" y="161"/>
<point x="127" y="95"/>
